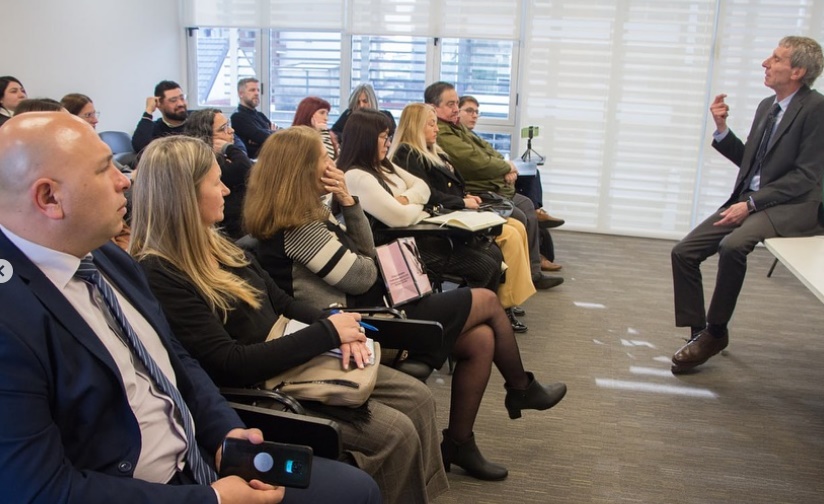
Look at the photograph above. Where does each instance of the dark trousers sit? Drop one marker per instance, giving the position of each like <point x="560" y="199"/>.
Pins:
<point x="732" y="244"/>
<point x="530" y="186"/>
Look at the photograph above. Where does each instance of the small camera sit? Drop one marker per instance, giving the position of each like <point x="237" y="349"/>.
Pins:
<point x="278" y="464"/>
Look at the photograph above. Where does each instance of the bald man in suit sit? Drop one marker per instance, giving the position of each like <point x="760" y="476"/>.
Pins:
<point x="86" y="417"/>
<point x="777" y="193"/>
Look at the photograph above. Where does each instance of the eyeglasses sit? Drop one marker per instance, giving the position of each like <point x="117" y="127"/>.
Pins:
<point x="176" y="99"/>
<point x="471" y="111"/>
<point x="385" y="138"/>
<point x="224" y="128"/>
<point x="89" y="115"/>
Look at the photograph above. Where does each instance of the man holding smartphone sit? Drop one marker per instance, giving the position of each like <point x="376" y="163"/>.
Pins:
<point x="101" y="402"/>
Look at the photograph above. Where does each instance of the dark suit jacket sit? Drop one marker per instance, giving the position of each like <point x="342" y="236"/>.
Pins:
<point x="67" y="433"/>
<point x="790" y="192"/>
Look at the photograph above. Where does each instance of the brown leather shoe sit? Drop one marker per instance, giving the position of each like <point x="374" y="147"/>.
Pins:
<point x="547" y="265"/>
<point x="698" y="351"/>
<point x="547" y="221"/>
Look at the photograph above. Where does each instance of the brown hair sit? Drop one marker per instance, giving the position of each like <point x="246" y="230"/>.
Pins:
<point x="282" y="192"/>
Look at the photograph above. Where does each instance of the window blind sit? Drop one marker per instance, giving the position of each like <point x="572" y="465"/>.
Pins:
<point x="317" y="15"/>
<point x="618" y="90"/>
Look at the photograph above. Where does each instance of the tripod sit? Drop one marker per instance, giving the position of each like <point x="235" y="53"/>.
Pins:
<point x="527" y="155"/>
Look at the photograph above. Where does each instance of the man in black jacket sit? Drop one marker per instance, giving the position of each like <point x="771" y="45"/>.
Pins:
<point x="251" y="126"/>
<point x="170" y="100"/>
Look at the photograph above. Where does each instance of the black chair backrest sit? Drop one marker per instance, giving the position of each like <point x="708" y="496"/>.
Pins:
<point x="118" y="141"/>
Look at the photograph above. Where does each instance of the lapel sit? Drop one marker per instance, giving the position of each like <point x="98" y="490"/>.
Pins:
<point x="796" y="104"/>
<point x="54" y="302"/>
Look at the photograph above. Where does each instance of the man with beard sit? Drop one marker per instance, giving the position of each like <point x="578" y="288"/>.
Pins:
<point x="250" y="125"/>
<point x="170" y="100"/>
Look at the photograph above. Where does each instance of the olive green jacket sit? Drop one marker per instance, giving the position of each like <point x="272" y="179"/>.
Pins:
<point x="482" y="167"/>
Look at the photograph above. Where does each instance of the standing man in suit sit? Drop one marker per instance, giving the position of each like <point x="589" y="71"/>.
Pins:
<point x="253" y="127"/>
<point x="777" y="193"/>
<point x="100" y="401"/>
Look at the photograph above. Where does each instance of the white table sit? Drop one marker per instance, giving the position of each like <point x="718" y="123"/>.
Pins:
<point x="804" y="257"/>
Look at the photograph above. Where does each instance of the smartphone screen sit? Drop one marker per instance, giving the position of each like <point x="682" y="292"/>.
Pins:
<point x="278" y="464"/>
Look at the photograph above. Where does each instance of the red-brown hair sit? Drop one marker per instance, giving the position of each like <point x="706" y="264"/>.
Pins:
<point x="307" y="108"/>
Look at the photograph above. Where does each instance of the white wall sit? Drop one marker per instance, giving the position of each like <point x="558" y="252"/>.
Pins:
<point x="113" y="51"/>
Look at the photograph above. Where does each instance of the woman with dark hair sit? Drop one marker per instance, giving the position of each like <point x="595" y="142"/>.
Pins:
<point x="362" y="97"/>
<point x="211" y="126"/>
<point x="222" y="306"/>
<point x="313" y="258"/>
<point x="396" y="198"/>
<point x="11" y="94"/>
<point x="314" y="112"/>
<point x="81" y="105"/>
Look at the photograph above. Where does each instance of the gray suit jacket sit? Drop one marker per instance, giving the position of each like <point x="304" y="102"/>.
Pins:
<point x="791" y="176"/>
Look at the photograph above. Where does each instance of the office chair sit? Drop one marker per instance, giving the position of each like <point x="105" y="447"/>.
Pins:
<point x="121" y="145"/>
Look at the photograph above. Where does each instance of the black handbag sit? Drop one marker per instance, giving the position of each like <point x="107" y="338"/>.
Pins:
<point x="496" y="203"/>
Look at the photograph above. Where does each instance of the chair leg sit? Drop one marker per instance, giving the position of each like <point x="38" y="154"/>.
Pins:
<point x="769" y="273"/>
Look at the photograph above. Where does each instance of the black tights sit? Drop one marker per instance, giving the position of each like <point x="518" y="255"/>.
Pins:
<point x="487" y="338"/>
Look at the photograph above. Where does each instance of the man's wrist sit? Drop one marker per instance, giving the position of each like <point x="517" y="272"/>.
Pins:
<point x="148" y="115"/>
<point x="751" y="205"/>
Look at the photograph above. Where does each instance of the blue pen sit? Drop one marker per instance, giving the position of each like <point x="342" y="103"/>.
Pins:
<point x="362" y="324"/>
<point x="368" y="326"/>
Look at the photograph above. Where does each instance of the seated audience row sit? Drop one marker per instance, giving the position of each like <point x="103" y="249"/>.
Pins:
<point x="106" y="402"/>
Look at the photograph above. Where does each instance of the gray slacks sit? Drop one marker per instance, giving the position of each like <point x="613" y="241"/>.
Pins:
<point x="732" y="244"/>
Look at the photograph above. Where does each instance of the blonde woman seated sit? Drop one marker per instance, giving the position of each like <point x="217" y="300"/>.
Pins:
<point x="221" y="305"/>
<point x="312" y="257"/>
<point x="414" y="149"/>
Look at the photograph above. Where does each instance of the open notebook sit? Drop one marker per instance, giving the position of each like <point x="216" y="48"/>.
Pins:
<point x="467" y="219"/>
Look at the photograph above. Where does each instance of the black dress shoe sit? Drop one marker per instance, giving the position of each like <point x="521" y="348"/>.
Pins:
<point x="543" y="282"/>
<point x="517" y="310"/>
<point x="698" y="350"/>
<point x="517" y="325"/>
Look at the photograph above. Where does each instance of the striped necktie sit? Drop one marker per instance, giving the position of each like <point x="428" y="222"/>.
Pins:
<point x="201" y="471"/>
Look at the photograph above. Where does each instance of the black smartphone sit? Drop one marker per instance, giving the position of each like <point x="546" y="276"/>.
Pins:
<point x="278" y="464"/>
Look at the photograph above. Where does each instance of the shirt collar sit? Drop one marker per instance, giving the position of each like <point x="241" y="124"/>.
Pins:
<point x="786" y="102"/>
<point x="59" y="267"/>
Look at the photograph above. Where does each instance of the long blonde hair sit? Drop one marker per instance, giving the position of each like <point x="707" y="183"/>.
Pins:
<point x="166" y="222"/>
<point x="282" y="191"/>
<point x="411" y="132"/>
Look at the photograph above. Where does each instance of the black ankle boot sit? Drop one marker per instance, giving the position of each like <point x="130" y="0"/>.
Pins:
<point x="534" y="396"/>
<point x="467" y="456"/>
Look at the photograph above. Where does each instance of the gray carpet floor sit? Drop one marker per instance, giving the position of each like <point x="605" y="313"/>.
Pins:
<point x="748" y="427"/>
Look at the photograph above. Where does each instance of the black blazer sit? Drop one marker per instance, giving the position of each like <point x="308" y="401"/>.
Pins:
<point x="790" y="192"/>
<point x="447" y="187"/>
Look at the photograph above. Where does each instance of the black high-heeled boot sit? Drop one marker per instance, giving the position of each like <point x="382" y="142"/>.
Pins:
<point x="517" y="325"/>
<point x="468" y="457"/>
<point x="534" y="396"/>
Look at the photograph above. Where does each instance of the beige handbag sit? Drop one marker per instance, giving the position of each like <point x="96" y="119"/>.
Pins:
<point x="323" y="379"/>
